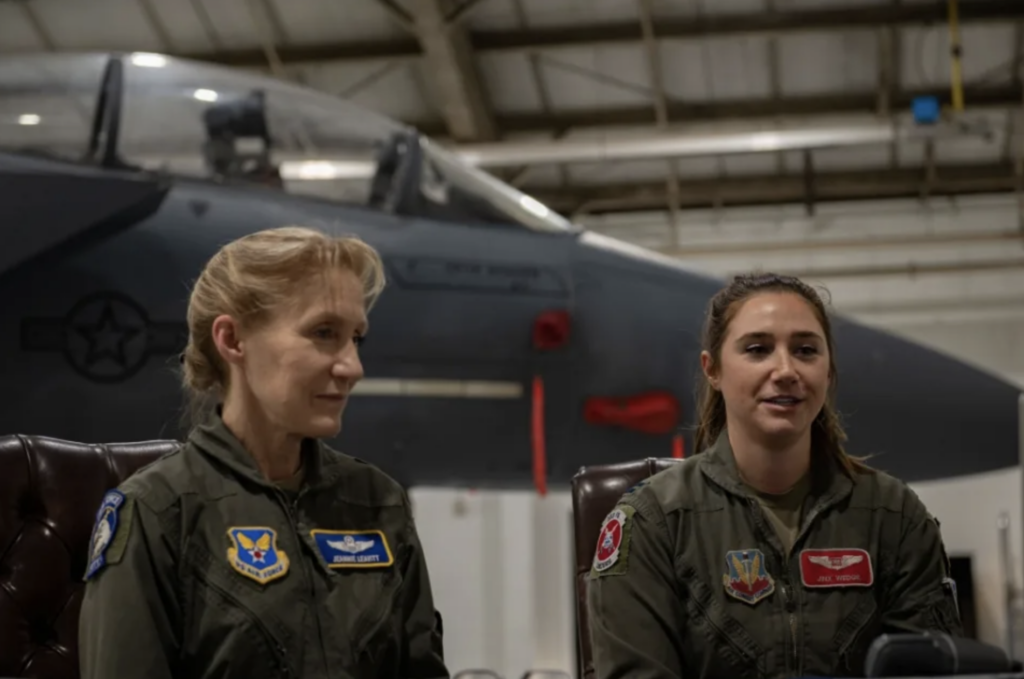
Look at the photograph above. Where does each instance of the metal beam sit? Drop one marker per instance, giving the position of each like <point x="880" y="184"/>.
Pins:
<point x="909" y="269"/>
<point x="452" y="73"/>
<point x="669" y="28"/>
<point x="163" y="35"/>
<point x="775" y="81"/>
<point x="653" y="52"/>
<point x="1000" y="97"/>
<point x="789" y="189"/>
<point x="760" y="23"/>
<point x="1017" y="75"/>
<point x="762" y="245"/>
<point x="209" y="29"/>
<point x="41" y="30"/>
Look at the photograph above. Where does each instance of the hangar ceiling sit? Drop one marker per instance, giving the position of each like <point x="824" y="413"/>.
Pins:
<point x="509" y="73"/>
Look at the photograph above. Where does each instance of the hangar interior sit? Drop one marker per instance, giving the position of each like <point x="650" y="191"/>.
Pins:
<point x="619" y="115"/>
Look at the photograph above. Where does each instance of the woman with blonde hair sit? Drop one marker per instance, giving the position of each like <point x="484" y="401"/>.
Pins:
<point x="256" y="550"/>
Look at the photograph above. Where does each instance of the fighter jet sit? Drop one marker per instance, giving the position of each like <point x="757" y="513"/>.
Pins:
<point x="510" y="348"/>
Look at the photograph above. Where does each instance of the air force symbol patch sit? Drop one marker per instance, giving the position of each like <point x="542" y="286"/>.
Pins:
<point x="612" y="551"/>
<point x="104" y="532"/>
<point x="353" y="548"/>
<point x="746" y="577"/>
<point x="254" y="553"/>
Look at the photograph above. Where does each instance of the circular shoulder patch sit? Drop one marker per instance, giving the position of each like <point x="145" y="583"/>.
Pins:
<point x="609" y="541"/>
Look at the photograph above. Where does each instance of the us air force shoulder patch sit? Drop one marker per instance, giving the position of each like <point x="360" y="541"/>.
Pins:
<point x="612" y="553"/>
<point x="746" y="577"/>
<point x="635" y="488"/>
<point x="254" y="553"/>
<point x="110" y="533"/>
<point x="353" y="548"/>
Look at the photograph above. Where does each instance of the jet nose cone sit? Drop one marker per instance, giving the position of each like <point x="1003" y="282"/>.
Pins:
<point x="920" y="414"/>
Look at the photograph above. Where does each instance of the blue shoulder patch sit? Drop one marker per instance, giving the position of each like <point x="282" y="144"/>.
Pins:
<point x="637" y="486"/>
<point x="353" y="548"/>
<point x="104" y="531"/>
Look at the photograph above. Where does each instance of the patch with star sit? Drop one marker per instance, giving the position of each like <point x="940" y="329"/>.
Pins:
<point x="353" y="548"/>
<point x="254" y="553"/>
<point x="106" y="337"/>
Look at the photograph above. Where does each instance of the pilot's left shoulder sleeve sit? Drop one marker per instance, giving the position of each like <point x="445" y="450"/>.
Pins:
<point x="422" y="634"/>
<point x="920" y="594"/>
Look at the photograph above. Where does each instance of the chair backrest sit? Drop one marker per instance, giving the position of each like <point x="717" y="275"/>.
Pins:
<point x="595" y="490"/>
<point x="49" y="493"/>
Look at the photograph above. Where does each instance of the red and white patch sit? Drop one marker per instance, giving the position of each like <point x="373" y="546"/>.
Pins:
<point x="836" y="568"/>
<point x="609" y="541"/>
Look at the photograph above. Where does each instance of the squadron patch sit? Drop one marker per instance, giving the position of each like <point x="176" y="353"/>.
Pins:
<point x="612" y="550"/>
<point x="105" y="533"/>
<point x="353" y="548"/>
<point x="836" y="568"/>
<point x="746" y="577"/>
<point x="254" y="553"/>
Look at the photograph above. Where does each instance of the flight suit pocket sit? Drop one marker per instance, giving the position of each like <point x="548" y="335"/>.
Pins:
<point x="365" y="602"/>
<point x="855" y="634"/>
<point x="943" y="612"/>
<point x="229" y="623"/>
<point x="716" y="643"/>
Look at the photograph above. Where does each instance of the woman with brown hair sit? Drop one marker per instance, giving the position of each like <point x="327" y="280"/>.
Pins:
<point x="772" y="552"/>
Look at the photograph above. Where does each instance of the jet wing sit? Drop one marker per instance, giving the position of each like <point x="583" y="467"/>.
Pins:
<point x="50" y="207"/>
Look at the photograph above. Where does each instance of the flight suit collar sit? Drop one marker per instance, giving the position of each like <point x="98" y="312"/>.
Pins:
<point x="216" y="440"/>
<point x="829" y="484"/>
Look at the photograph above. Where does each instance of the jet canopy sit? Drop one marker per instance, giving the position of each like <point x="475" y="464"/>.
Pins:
<point x="190" y="119"/>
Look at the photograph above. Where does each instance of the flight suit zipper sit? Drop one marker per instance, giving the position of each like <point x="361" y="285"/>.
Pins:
<point x="291" y="509"/>
<point x="790" y="603"/>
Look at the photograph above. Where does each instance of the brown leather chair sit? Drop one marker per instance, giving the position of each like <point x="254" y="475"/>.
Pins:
<point x="49" y="493"/>
<point x="595" y="490"/>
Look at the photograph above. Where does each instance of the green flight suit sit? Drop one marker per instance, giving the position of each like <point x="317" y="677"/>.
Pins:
<point x="202" y="568"/>
<point x="690" y="579"/>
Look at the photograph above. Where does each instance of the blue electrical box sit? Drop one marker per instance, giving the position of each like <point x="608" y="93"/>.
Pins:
<point x="926" y="110"/>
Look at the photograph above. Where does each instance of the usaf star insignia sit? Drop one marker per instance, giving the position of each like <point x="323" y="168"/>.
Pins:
<point x="254" y="553"/>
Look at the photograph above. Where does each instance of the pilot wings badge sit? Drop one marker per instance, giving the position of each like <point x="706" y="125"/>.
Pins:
<point x="746" y="577"/>
<point x="254" y="553"/>
<point x="353" y="548"/>
<point x="836" y="568"/>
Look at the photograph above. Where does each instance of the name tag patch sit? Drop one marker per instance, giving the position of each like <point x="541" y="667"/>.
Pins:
<point x="836" y="568"/>
<point x="353" y="548"/>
